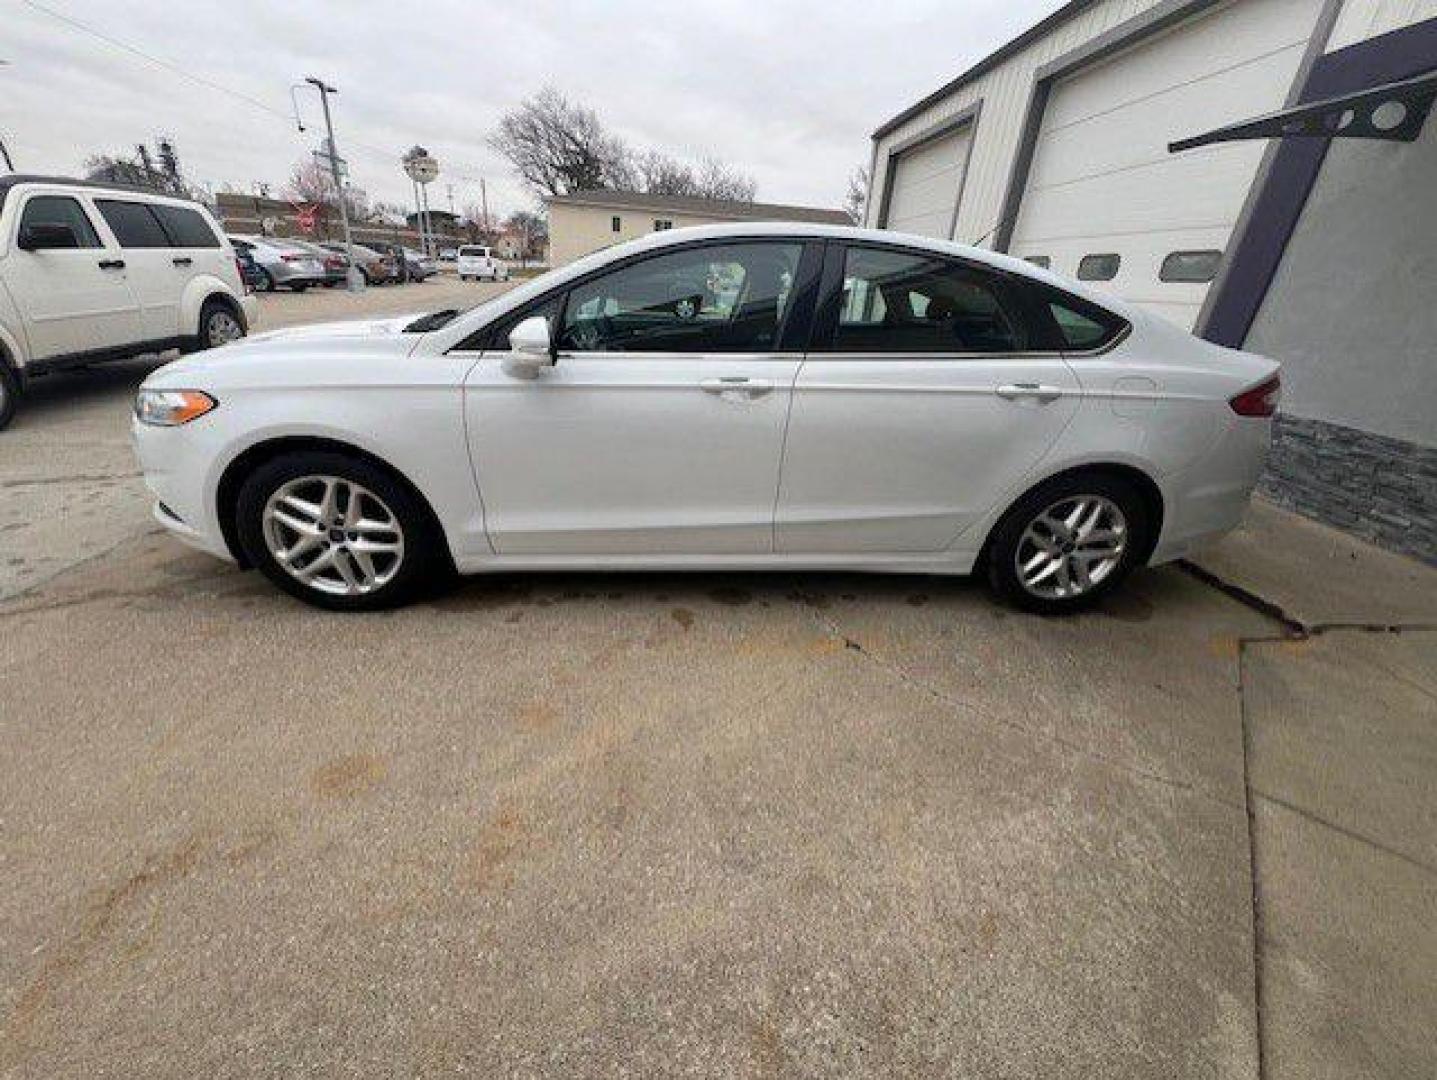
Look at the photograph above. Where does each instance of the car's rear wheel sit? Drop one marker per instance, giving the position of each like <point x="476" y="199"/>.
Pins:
<point x="300" y="286"/>
<point x="338" y="532"/>
<point x="218" y="326"/>
<point x="9" y="394"/>
<point x="1069" y="542"/>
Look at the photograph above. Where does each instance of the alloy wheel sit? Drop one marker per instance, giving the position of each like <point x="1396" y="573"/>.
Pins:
<point x="222" y="328"/>
<point x="1069" y="548"/>
<point x="333" y="535"/>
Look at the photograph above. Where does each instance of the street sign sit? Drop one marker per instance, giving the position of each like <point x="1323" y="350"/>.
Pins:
<point x="422" y="168"/>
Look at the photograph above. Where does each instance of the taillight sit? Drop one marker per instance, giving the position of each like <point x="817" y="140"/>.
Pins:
<point x="1261" y="400"/>
<point x="293" y="258"/>
<point x="244" y="281"/>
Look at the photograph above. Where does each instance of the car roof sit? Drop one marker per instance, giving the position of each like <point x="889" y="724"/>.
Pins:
<point x="14" y="180"/>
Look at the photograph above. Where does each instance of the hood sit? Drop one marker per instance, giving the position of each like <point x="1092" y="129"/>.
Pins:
<point x="350" y="328"/>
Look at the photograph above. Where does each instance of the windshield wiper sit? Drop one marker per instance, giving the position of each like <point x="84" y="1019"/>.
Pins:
<point x="433" y="321"/>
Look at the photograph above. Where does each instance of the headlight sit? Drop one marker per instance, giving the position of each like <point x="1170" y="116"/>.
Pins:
<point x="171" y="408"/>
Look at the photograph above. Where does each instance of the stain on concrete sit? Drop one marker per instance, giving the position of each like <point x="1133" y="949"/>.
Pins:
<point x="346" y="777"/>
<point x="1127" y="606"/>
<point x="500" y="841"/>
<point x="731" y="596"/>
<point x="683" y="616"/>
<point x="916" y="599"/>
<point x="537" y="716"/>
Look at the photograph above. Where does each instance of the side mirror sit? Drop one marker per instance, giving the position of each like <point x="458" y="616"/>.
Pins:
<point x="46" y="235"/>
<point x="531" y="350"/>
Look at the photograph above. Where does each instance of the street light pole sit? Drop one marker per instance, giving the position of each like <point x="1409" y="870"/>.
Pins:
<point x="354" y="279"/>
<point x="4" y="151"/>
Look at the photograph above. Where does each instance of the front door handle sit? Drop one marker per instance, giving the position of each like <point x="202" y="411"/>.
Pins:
<point x="112" y="264"/>
<point x="1030" y="390"/>
<point x="182" y="260"/>
<point x="736" y="384"/>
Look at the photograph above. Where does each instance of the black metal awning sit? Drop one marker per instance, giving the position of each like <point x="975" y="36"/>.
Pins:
<point x="1393" y="111"/>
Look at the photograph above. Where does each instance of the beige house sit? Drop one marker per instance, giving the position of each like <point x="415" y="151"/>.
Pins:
<point x="586" y="221"/>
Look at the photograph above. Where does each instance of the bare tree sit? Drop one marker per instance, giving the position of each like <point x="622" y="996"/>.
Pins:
<point x="558" y="146"/>
<point x="157" y="170"/>
<point x="856" y="200"/>
<point x="532" y="231"/>
<point x="484" y="227"/>
<point x="716" y="180"/>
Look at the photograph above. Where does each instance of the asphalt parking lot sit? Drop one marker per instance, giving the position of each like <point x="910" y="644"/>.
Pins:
<point x="781" y="825"/>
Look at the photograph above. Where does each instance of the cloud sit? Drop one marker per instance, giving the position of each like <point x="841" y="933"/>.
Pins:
<point x="789" y="92"/>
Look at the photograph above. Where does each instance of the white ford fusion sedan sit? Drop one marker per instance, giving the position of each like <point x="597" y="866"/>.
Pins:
<point x="756" y="396"/>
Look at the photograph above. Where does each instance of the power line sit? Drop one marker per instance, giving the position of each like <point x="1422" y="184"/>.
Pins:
<point x="174" y="68"/>
<point x="158" y="61"/>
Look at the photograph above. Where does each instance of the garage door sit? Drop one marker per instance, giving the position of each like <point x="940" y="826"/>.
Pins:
<point x="925" y="183"/>
<point x="1102" y="182"/>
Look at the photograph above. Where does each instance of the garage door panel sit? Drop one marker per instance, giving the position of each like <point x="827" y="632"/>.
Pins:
<point x="1182" y="193"/>
<point x="1138" y="133"/>
<point x="1237" y="35"/>
<point x="925" y="184"/>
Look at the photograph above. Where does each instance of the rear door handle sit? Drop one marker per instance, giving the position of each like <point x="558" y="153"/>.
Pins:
<point x="182" y="260"/>
<point x="112" y="264"/>
<point x="736" y="384"/>
<point x="1029" y="390"/>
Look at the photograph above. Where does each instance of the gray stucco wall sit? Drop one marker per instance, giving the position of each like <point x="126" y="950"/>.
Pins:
<point x="1352" y="312"/>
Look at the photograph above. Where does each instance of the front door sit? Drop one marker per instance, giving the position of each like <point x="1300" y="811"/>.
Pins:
<point x="660" y="427"/>
<point x="923" y="401"/>
<point x="71" y="300"/>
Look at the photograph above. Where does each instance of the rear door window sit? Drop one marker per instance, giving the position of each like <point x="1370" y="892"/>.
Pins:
<point x="186" y="228"/>
<point x="133" y="223"/>
<point x="903" y="302"/>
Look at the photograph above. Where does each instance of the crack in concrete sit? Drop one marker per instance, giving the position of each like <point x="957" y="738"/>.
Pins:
<point x="74" y="478"/>
<point x="1351" y="834"/>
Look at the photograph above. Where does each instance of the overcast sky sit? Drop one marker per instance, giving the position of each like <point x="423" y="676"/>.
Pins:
<point x="788" y="92"/>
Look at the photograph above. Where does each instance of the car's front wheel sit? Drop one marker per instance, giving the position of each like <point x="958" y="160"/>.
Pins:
<point x="338" y="532"/>
<point x="1068" y="542"/>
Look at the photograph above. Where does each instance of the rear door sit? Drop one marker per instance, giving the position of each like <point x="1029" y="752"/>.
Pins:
<point x="71" y="300"/>
<point x="149" y="264"/>
<point x="925" y="398"/>
<point x="196" y="248"/>
<point x="659" y="428"/>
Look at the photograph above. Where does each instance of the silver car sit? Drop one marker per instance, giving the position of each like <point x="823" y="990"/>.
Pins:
<point x="281" y="263"/>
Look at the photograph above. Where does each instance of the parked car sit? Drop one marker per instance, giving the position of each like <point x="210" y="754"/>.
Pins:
<point x="862" y="400"/>
<point x="334" y="264"/>
<point x="478" y="263"/>
<point x="281" y="262"/>
<point x="377" y="267"/>
<point x="421" y="265"/>
<point x="249" y="269"/>
<point x="448" y="254"/>
<point x="91" y="272"/>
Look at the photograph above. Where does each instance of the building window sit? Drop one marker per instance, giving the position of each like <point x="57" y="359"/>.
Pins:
<point x="1098" y="267"/>
<point x="616" y="223"/>
<point x="1192" y="266"/>
<point x="1039" y="260"/>
<point x="660" y="224"/>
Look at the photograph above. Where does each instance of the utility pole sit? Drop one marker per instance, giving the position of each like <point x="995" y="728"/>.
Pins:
<point x="354" y="278"/>
<point x="450" y="189"/>
<point x="4" y="151"/>
<point x="484" y="209"/>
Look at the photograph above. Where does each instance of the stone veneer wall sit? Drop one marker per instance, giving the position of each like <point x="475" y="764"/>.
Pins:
<point x="1384" y="490"/>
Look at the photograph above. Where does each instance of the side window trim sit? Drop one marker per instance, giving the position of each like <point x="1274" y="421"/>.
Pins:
<point x="1046" y="341"/>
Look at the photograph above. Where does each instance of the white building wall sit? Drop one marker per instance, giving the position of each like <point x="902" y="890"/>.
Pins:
<point x="1005" y="92"/>
<point x="1361" y="19"/>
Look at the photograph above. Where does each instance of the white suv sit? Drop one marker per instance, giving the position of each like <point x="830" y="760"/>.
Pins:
<point x="92" y="272"/>
<point x="480" y="263"/>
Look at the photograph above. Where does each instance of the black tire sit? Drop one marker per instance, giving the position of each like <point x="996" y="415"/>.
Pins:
<point x="1007" y="536"/>
<point x="213" y="312"/>
<point x="264" y="283"/>
<point x="300" y="286"/>
<point x="9" y="393"/>
<point x="424" y="562"/>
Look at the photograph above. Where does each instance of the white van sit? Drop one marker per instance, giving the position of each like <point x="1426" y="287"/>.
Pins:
<point x="92" y="272"/>
<point x="478" y="263"/>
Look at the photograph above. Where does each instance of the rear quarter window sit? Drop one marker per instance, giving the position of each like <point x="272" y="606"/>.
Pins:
<point x="186" y="228"/>
<point x="1077" y="325"/>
